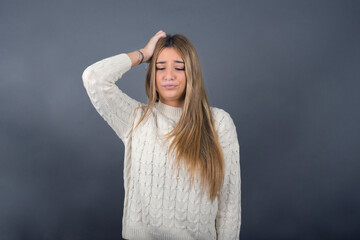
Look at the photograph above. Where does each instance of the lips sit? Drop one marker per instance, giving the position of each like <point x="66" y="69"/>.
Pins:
<point x="169" y="86"/>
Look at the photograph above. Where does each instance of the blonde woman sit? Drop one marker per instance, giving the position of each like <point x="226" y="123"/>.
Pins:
<point x="181" y="166"/>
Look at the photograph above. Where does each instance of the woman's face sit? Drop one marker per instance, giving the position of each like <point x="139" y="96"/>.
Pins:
<point x="170" y="77"/>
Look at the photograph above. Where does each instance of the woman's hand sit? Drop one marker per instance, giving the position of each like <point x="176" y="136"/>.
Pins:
<point x="148" y="50"/>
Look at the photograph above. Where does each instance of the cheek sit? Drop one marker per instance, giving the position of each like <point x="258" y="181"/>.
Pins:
<point x="184" y="82"/>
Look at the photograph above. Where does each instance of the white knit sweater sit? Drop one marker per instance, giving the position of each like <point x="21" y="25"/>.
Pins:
<point x="159" y="204"/>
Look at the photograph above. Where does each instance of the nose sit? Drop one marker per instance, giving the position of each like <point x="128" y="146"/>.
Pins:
<point x="169" y="74"/>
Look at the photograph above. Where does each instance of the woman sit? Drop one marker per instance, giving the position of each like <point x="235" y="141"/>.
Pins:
<point x="181" y="166"/>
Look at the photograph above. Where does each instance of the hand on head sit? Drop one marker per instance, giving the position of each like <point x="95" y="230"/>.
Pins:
<point x="148" y="50"/>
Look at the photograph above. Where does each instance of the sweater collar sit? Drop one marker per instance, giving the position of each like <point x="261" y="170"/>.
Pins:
<point x="171" y="112"/>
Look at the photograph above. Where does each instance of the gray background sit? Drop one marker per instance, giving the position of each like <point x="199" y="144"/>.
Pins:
<point x="286" y="71"/>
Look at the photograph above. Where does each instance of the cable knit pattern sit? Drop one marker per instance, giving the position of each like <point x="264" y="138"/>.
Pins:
<point x="159" y="203"/>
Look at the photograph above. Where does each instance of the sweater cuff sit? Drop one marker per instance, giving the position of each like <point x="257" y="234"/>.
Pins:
<point x="127" y="60"/>
<point x="122" y="60"/>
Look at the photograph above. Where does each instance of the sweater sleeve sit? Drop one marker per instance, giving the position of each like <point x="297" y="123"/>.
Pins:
<point x="228" y="219"/>
<point x="112" y="104"/>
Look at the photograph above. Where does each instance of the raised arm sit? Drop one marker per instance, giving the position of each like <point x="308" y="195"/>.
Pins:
<point x="99" y="79"/>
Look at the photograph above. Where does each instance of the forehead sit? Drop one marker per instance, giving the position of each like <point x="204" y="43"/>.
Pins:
<point x="169" y="54"/>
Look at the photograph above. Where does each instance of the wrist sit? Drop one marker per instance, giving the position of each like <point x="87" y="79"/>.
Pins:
<point x="141" y="56"/>
<point x="146" y="57"/>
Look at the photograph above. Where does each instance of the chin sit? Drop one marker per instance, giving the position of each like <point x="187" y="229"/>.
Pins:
<point x="170" y="97"/>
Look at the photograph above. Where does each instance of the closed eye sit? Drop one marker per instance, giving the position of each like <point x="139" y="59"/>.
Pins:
<point x="178" y="69"/>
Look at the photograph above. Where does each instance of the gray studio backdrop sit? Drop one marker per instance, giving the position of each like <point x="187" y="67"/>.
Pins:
<point x="286" y="71"/>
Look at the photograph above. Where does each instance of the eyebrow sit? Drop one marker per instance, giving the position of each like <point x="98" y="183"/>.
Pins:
<point x="177" y="61"/>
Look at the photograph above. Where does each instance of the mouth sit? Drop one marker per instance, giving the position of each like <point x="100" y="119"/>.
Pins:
<point x="169" y="86"/>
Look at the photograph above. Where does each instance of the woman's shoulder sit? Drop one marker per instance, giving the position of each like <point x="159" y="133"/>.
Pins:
<point x="221" y="117"/>
<point x="225" y="127"/>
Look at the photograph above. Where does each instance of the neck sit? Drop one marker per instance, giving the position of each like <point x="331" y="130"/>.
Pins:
<point x="175" y="103"/>
<point x="171" y="112"/>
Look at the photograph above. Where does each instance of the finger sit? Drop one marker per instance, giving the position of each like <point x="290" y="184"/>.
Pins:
<point x="157" y="35"/>
<point x="160" y="33"/>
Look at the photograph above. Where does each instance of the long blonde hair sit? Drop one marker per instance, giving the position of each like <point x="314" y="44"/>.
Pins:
<point x="195" y="140"/>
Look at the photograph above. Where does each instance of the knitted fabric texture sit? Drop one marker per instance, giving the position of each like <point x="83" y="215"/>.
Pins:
<point x="159" y="203"/>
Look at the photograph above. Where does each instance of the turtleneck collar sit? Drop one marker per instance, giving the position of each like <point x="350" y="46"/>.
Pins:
<point x="171" y="112"/>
